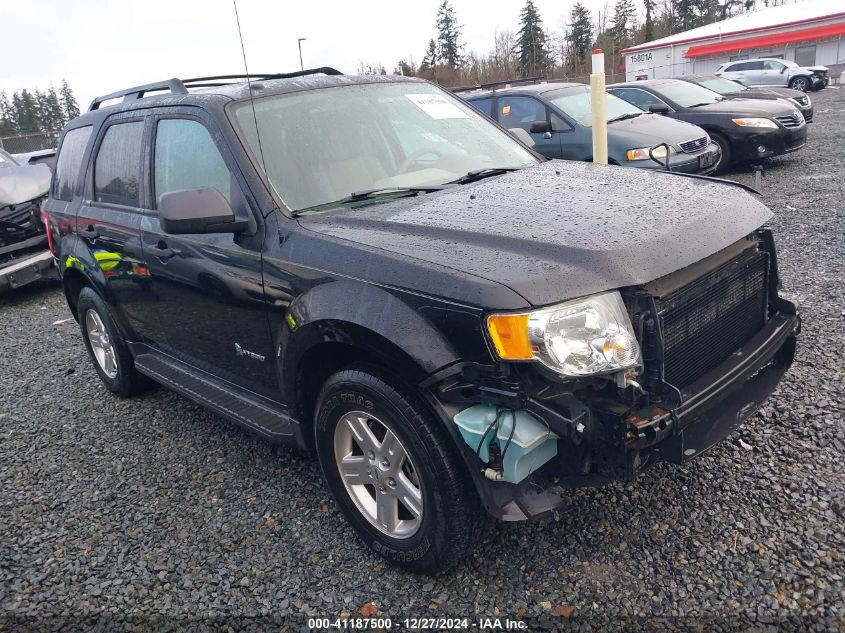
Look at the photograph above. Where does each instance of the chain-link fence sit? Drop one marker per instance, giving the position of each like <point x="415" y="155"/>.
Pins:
<point x="32" y="142"/>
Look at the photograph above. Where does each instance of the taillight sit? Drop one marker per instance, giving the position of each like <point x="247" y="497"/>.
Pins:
<point x="46" y="217"/>
<point x="717" y="74"/>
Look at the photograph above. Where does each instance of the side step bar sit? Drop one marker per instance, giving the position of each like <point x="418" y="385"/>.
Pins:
<point x="251" y="411"/>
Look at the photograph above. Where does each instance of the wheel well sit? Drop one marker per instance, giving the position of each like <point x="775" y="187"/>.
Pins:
<point x="73" y="282"/>
<point x="325" y="359"/>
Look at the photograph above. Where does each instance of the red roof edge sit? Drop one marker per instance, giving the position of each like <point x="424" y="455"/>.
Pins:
<point x="648" y="45"/>
<point x="819" y="32"/>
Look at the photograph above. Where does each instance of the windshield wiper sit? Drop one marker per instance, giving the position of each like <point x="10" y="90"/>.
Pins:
<point x="478" y="174"/>
<point x="695" y="105"/>
<point x="370" y="194"/>
<point x="627" y="115"/>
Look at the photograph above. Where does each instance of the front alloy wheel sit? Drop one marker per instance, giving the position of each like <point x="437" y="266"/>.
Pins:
<point x="378" y="474"/>
<point x="394" y="471"/>
<point x="800" y="83"/>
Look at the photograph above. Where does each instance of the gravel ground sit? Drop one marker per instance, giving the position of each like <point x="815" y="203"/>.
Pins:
<point x="152" y="513"/>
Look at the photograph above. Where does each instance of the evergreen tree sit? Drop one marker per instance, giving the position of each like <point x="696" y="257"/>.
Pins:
<point x="448" y="33"/>
<point x="649" y="19"/>
<point x="430" y="59"/>
<point x="26" y="111"/>
<point x="53" y="116"/>
<point x="7" y="116"/>
<point x="408" y="69"/>
<point x="624" y="16"/>
<point x="580" y="35"/>
<point x="68" y="102"/>
<point x="531" y="42"/>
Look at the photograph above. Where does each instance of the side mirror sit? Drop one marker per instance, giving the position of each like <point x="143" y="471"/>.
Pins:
<point x="658" y="108"/>
<point x="541" y="127"/>
<point x="782" y="69"/>
<point x="197" y="211"/>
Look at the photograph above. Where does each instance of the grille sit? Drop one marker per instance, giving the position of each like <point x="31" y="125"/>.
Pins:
<point x="804" y="101"/>
<point x="706" y="321"/>
<point x="788" y="121"/>
<point x="17" y="223"/>
<point x="695" y="145"/>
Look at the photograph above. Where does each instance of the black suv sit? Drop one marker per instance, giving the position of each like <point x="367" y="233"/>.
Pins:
<point x="368" y="268"/>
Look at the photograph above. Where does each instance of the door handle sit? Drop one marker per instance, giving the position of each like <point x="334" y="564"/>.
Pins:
<point x="163" y="252"/>
<point x="89" y="233"/>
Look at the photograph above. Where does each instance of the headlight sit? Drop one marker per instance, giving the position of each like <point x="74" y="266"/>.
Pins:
<point x="755" y="122"/>
<point x="578" y="338"/>
<point x="641" y="153"/>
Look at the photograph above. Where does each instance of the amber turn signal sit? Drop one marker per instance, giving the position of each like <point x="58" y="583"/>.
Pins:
<point x="510" y="336"/>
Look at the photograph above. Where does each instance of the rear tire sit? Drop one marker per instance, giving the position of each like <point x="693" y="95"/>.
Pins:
<point x="725" y="147"/>
<point x="800" y="83"/>
<point x="394" y="472"/>
<point x="109" y="353"/>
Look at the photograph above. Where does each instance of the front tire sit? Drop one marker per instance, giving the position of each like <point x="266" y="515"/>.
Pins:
<point x="800" y="83"/>
<point x="394" y="472"/>
<point x="106" y="346"/>
<point x="725" y="148"/>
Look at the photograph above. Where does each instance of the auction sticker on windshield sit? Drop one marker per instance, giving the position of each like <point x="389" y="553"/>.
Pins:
<point x="437" y="106"/>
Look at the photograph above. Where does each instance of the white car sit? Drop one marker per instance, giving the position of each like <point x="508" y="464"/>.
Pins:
<point x="775" y="72"/>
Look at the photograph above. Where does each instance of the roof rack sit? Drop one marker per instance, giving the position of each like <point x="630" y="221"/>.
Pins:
<point x="180" y="86"/>
<point x="500" y="84"/>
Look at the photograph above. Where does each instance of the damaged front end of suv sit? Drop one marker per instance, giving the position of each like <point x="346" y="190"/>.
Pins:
<point x="598" y="389"/>
<point x="24" y="256"/>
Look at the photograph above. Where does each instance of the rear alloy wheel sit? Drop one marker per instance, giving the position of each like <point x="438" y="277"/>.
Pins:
<point x="394" y="472"/>
<point x="800" y="83"/>
<point x="112" y="359"/>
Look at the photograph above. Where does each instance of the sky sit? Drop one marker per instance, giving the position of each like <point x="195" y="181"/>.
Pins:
<point x="101" y="46"/>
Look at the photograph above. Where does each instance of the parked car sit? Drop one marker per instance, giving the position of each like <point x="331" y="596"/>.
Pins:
<point x="24" y="256"/>
<point x="745" y="130"/>
<point x="735" y="90"/>
<point x="445" y="318"/>
<point x="46" y="156"/>
<point x="775" y="72"/>
<point x="558" y="118"/>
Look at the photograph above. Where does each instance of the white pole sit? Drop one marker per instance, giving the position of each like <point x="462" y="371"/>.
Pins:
<point x="599" y="109"/>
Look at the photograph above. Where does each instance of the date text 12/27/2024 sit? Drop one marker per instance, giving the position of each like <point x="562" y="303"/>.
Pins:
<point x="417" y="624"/>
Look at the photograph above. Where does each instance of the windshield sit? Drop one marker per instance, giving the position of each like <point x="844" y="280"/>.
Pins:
<point x="686" y="94"/>
<point x="576" y="103"/>
<point x="722" y="86"/>
<point x="320" y="146"/>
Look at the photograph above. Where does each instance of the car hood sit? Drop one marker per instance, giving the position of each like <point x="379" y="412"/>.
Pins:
<point x="745" y="107"/>
<point x="770" y="93"/>
<point x="649" y="129"/>
<point x="22" y="183"/>
<point x="558" y="230"/>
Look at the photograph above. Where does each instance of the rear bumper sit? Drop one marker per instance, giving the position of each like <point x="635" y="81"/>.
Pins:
<point x="25" y="270"/>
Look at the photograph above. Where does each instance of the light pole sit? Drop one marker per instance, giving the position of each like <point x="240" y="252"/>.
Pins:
<point x="299" y="43"/>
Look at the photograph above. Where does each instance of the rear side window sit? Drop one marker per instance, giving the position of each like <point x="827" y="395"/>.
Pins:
<point x="483" y="105"/>
<point x="117" y="169"/>
<point x="187" y="158"/>
<point x="69" y="162"/>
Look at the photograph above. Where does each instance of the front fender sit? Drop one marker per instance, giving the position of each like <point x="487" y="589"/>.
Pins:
<point x="402" y="329"/>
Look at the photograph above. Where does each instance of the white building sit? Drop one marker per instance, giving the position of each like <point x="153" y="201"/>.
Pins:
<point x="809" y="33"/>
